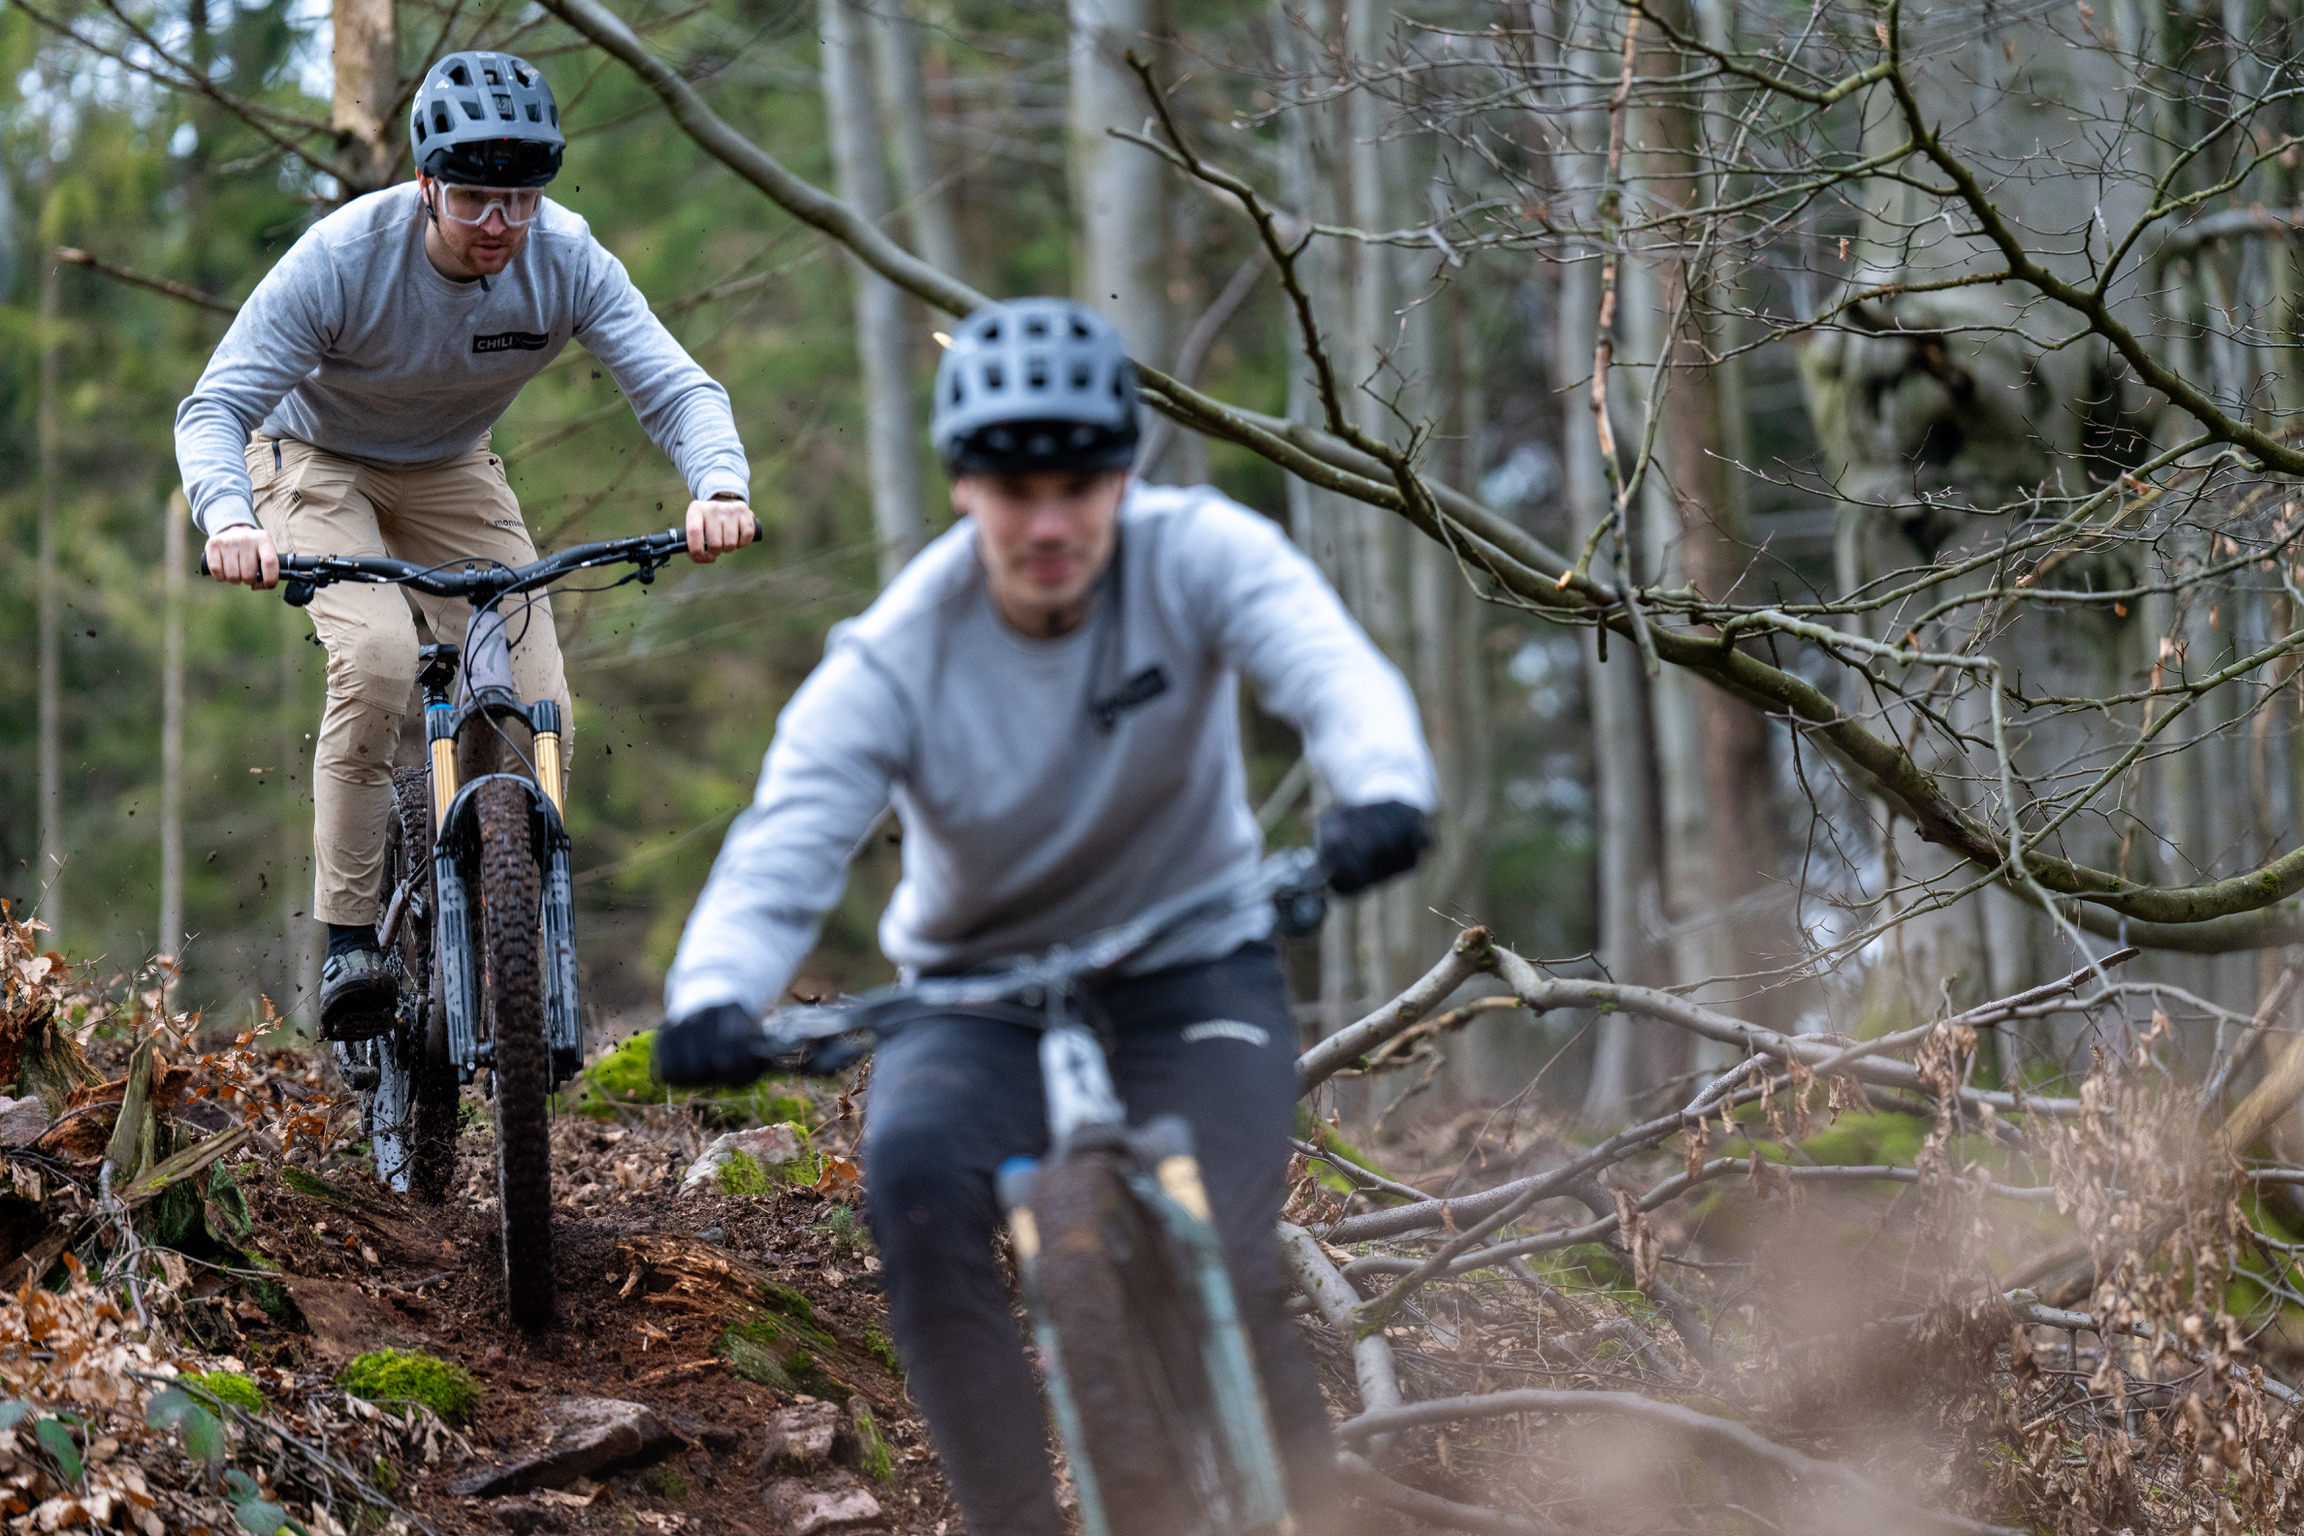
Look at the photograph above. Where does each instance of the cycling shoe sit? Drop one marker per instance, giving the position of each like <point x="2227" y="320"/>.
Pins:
<point x="358" y="995"/>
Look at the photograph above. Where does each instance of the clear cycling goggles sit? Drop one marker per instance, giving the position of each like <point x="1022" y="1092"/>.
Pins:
<point x="460" y="204"/>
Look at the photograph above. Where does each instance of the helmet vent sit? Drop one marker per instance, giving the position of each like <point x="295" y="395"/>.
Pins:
<point x="1036" y="328"/>
<point x="489" y="75"/>
<point x="534" y="116"/>
<point x="1080" y="376"/>
<point x="555" y="117"/>
<point x="459" y="75"/>
<point x="420" y="135"/>
<point x="1079" y="331"/>
<point x="1036" y="374"/>
<point x="504" y="107"/>
<point x="992" y="331"/>
<point x="441" y="121"/>
<point x="471" y="108"/>
<point x="994" y="378"/>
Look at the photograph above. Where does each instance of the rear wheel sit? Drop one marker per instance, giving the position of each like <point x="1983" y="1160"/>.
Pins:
<point x="1127" y="1321"/>
<point x="513" y="1004"/>
<point x="413" y="1110"/>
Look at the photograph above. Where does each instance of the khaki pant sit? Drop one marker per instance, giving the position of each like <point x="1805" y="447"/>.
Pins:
<point x="313" y="502"/>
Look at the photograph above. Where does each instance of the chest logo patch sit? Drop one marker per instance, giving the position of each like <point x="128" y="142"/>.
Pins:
<point x="511" y="341"/>
<point x="1141" y="689"/>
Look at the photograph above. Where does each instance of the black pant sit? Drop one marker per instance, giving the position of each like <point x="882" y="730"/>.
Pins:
<point x="954" y="1097"/>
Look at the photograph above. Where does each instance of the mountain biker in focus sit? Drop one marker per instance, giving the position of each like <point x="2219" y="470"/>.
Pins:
<point x="1048" y="695"/>
<point x="348" y="411"/>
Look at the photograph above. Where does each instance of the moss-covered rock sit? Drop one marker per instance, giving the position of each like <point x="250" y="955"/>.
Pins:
<point x="229" y="1387"/>
<point x="394" y="1375"/>
<point x="872" y="1455"/>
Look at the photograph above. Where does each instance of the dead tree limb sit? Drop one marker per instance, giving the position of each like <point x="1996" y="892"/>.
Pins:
<point x="1853" y="1489"/>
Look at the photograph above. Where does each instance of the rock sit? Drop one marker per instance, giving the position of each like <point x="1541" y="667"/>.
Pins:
<point x="716" y="1236"/>
<point x="803" y="1510"/>
<point x="768" y="1145"/>
<point x="22" y="1121"/>
<point x="588" y="1434"/>
<point x="801" y="1439"/>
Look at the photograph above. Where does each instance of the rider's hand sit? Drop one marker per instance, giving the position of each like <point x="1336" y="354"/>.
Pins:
<point x="716" y="527"/>
<point x="243" y="553"/>
<point x="715" y="1047"/>
<point x="1365" y="845"/>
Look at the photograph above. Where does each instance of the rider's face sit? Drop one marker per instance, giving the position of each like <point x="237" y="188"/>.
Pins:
<point x="1045" y="539"/>
<point x="469" y="250"/>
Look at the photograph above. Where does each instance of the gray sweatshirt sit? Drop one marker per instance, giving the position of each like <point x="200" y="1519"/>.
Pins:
<point x="1048" y="788"/>
<point x="357" y="344"/>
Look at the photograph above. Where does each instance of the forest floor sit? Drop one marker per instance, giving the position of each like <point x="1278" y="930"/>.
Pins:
<point x="653" y="1285"/>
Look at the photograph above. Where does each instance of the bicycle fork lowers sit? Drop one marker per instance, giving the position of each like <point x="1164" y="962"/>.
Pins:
<point x="477" y="733"/>
<point x="1154" y="1390"/>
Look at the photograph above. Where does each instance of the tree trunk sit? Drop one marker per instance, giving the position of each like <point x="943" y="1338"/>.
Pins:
<point x="1625" y="831"/>
<point x="49" y="431"/>
<point x="1119" y="191"/>
<point x="927" y="199"/>
<point x="881" y="308"/>
<point x="367" y="44"/>
<point x="172" y="735"/>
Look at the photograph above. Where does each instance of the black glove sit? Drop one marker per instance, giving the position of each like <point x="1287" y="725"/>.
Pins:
<point x="721" y="1046"/>
<point x="1365" y="845"/>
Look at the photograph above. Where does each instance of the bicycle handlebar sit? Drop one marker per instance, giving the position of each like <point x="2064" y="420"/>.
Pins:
<point x="1290" y="879"/>
<point x="304" y="574"/>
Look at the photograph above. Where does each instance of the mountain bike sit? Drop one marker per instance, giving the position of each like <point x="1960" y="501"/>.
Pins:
<point x="1154" y="1391"/>
<point x="478" y="905"/>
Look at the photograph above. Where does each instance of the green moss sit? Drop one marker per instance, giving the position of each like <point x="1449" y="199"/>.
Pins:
<point x="784" y="1299"/>
<point x="872" y="1458"/>
<point x="781" y="1354"/>
<point x="270" y="1295"/>
<point x="626" y="1076"/>
<point x="881" y="1347"/>
<point x="741" y="1174"/>
<point x="665" y="1482"/>
<point x="850" y="1237"/>
<point x="392" y="1375"/>
<point x="229" y="1387"/>
<point x="1322" y="1135"/>
<point x="749" y="1349"/>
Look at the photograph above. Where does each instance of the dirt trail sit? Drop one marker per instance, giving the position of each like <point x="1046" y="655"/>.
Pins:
<point x="651" y="1285"/>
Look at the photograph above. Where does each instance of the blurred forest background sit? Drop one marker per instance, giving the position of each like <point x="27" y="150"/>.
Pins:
<point x="678" y="688"/>
<point x="1929" y="376"/>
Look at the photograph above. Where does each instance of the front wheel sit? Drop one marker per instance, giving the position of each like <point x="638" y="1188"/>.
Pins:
<point x="1119" y="1302"/>
<point x="512" y="990"/>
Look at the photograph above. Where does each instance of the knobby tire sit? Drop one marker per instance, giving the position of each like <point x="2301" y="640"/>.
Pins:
<point x="1126" y="1317"/>
<point x="513" y="992"/>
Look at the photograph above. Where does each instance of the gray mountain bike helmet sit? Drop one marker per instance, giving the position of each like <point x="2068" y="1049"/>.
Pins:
<point x="1035" y="384"/>
<point x="485" y="119"/>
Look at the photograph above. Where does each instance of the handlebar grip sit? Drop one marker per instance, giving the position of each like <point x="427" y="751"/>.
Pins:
<point x="203" y="562"/>
<point x="759" y="530"/>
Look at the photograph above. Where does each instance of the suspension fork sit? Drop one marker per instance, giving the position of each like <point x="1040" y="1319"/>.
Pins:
<point x="452" y="930"/>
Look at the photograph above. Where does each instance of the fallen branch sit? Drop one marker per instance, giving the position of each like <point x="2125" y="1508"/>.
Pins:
<point x="1704" y="1427"/>
<point x="1339" y="1305"/>
<point x="1432" y="1509"/>
<point x="1466" y="958"/>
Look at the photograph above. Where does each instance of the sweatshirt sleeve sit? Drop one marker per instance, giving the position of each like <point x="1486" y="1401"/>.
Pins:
<point x="274" y="341"/>
<point x="684" y="409"/>
<point x="1281" y="625"/>
<point x="839" y="747"/>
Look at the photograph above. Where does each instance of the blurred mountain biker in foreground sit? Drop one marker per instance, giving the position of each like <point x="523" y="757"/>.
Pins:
<point x="1049" y="697"/>
<point x="347" y="412"/>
